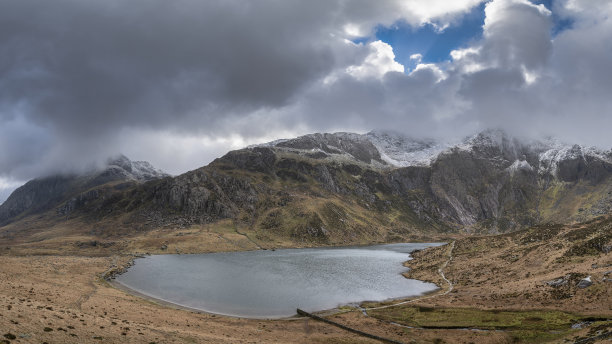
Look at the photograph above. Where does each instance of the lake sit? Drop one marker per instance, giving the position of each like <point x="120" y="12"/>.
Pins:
<point x="272" y="284"/>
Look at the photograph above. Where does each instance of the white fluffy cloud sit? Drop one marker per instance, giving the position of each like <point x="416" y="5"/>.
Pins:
<point x="363" y="15"/>
<point x="379" y="61"/>
<point x="517" y="77"/>
<point x="77" y="76"/>
<point x="516" y="33"/>
<point x="178" y="83"/>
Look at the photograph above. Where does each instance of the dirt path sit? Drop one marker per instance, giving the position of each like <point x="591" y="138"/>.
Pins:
<point x="248" y="238"/>
<point x="440" y="271"/>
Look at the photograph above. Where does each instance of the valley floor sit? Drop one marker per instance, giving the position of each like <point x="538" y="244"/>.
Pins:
<point x="57" y="299"/>
<point x="499" y="295"/>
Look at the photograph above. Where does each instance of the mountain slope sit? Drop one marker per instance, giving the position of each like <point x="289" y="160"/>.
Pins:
<point x="348" y="188"/>
<point x="40" y="195"/>
<point x="547" y="283"/>
<point x="539" y="267"/>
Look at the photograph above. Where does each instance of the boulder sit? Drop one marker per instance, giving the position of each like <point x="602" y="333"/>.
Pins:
<point x="585" y="282"/>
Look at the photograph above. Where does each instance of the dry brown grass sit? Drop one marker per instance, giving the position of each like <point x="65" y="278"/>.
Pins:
<point x="55" y="283"/>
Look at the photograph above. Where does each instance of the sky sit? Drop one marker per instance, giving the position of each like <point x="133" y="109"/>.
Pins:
<point x="179" y="83"/>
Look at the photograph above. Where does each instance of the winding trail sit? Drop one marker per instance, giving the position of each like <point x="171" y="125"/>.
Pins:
<point x="365" y="310"/>
<point x="248" y="238"/>
<point x="94" y="287"/>
<point x="440" y="271"/>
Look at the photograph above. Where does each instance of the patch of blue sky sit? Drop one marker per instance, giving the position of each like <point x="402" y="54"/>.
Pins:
<point x="434" y="45"/>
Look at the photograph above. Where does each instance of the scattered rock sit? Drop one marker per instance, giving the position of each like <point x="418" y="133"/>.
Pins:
<point x="565" y="286"/>
<point x="557" y="282"/>
<point x="10" y="336"/>
<point x="47" y="329"/>
<point x="585" y="282"/>
<point x="580" y="325"/>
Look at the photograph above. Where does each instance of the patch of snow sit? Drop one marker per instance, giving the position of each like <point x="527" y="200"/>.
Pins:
<point x="135" y="170"/>
<point x="268" y="144"/>
<point x="519" y="165"/>
<point x="510" y="147"/>
<point x="490" y="138"/>
<point x="554" y="151"/>
<point x="143" y="170"/>
<point x="401" y="151"/>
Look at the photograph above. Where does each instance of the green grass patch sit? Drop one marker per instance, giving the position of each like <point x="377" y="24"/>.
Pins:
<point x="534" y="326"/>
<point x="474" y="318"/>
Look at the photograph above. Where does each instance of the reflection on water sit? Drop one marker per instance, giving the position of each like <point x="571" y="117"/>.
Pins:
<point x="271" y="284"/>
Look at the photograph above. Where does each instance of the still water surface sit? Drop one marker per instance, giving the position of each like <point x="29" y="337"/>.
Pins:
<point x="272" y="284"/>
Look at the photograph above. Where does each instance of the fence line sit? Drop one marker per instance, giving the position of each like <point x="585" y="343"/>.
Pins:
<point x="361" y="333"/>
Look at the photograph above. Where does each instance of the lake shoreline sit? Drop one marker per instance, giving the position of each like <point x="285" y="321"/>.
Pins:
<point x="332" y="311"/>
<point x="110" y="278"/>
<point x="161" y="302"/>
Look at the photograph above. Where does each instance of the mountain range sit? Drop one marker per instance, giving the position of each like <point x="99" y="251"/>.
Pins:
<point x="335" y="188"/>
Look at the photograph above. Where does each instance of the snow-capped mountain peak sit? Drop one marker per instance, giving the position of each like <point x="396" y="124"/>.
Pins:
<point x="393" y="149"/>
<point x="133" y="170"/>
<point x="402" y="151"/>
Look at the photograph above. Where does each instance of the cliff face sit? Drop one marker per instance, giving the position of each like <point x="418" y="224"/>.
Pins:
<point x="336" y="186"/>
<point x="343" y="187"/>
<point x="65" y="193"/>
<point x="35" y="196"/>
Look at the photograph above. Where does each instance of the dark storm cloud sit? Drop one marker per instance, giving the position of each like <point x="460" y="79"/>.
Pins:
<point x="91" y="65"/>
<point x="91" y="72"/>
<point x="84" y="70"/>
<point x="180" y="82"/>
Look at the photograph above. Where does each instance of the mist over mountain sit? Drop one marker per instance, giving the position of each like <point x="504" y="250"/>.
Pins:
<point x="42" y="194"/>
<point x="178" y="86"/>
<point x="479" y="129"/>
<point x="339" y="187"/>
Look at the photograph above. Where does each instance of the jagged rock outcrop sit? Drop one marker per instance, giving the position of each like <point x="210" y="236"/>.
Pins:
<point x="35" y="196"/>
<point x="357" y="146"/>
<point x="343" y="185"/>
<point x="489" y="182"/>
<point x="66" y="193"/>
